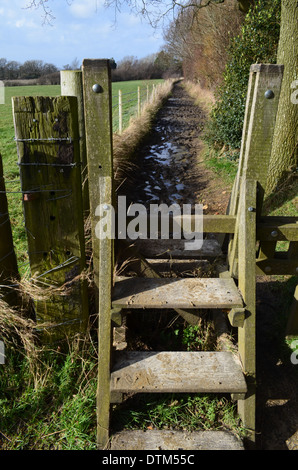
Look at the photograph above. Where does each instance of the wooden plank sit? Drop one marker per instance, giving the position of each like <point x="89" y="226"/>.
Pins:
<point x="177" y="372"/>
<point x="175" y="249"/>
<point x="175" y="440"/>
<point x="98" y="122"/>
<point x="144" y="268"/>
<point x="211" y="223"/>
<point x="270" y="267"/>
<point x="277" y="229"/>
<point x="8" y="260"/>
<point x="247" y="286"/>
<point x="47" y="138"/>
<point x="179" y="265"/>
<point x="184" y="293"/>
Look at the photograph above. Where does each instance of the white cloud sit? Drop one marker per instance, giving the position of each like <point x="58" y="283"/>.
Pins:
<point x="26" y="23"/>
<point x="84" y="8"/>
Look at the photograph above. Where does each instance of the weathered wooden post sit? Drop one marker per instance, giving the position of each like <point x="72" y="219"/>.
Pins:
<point x="99" y="132"/>
<point x="8" y="260"/>
<point x="246" y="204"/>
<point x="72" y="85"/>
<point x="258" y="129"/>
<point x="47" y="137"/>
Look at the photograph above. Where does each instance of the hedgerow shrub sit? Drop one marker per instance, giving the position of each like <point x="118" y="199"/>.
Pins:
<point x="257" y="43"/>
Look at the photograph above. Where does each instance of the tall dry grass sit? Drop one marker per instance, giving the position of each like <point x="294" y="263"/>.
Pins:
<point x="126" y="144"/>
<point x="203" y="97"/>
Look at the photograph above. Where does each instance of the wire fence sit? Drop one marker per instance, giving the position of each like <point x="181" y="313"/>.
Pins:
<point x="130" y="104"/>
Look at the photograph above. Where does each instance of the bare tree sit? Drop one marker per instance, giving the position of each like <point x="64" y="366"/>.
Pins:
<point x="74" y="65"/>
<point x="155" y="11"/>
<point x="48" y="16"/>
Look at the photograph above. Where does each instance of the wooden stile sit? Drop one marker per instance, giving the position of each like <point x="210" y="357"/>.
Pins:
<point x="64" y="140"/>
<point x="47" y="137"/>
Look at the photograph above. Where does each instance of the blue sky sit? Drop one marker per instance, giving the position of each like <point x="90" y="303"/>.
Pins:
<point x="81" y="29"/>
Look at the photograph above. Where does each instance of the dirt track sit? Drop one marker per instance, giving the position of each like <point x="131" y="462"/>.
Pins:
<point x="171" y="170"/>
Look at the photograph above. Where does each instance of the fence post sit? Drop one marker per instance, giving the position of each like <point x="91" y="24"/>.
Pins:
<point x="120" y="112"/>
<point x="72" y="85"/>
<point x="257" y="139"/>
<point x="246" y="204"/>
<point x="99" y="134"/>
<point x="47" y="137"/>
<point x="153" y="92"/>
<point x="8" y="260"/>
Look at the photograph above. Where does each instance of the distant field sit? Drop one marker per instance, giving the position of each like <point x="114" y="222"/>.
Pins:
<point x="129" y="98"/>
<point x="9" y="152"/>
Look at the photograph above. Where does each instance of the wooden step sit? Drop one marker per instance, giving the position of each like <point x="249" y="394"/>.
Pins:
<point x="175" y="249"/>
<point x="175" y="440"/>
<point x="177" y="372"/>
<point x="183" y="293"/>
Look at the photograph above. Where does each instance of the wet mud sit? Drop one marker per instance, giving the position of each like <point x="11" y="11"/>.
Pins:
<point x="169" y="170"/>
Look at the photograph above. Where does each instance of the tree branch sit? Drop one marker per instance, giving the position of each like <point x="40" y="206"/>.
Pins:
<point x="48" y="16"/>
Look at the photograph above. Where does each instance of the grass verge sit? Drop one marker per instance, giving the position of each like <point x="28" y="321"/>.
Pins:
<point x="126" y="144"/>
<point x="178" y="412"/>
<point x="47" y="399"/>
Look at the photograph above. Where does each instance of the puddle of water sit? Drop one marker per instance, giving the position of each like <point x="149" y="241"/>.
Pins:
<point x="162" y="161"/>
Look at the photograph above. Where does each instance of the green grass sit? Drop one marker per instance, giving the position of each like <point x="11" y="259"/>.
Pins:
<point x="177" y="412"/>
<point x="224" y="164"/>
<point x="50" y="404"/>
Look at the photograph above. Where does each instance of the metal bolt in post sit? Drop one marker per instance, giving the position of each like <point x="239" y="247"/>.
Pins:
<point x="269" y="95"/>
<point x="97" y="88"/>
<point x="274" y="233"/>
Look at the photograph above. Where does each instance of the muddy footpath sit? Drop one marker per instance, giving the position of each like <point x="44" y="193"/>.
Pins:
<point x="171" y="170"/>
